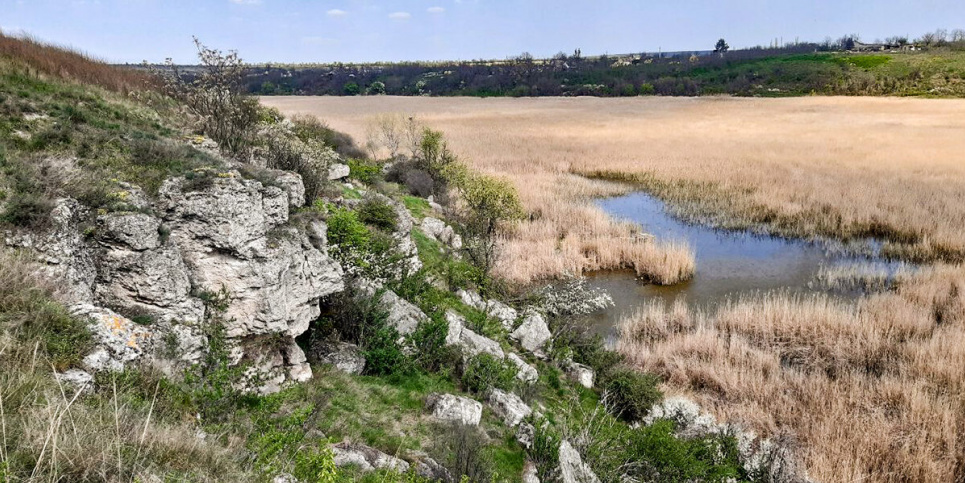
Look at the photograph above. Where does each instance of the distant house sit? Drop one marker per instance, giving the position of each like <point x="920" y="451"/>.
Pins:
<point x="862" y="47"/>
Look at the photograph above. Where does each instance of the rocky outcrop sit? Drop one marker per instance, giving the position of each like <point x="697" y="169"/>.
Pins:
<point x="213" y="235"/>
<point x="505" y="314"/>
<point x="342" y="355"/>
<point x="430" y="469"/>
<point x="76" y="379"/>
<point x="526" y="372"/>
<point x="402" y="314"/>
<point x="572" y="467"/>
<point x="533" y="333"/>
<point x="366" y="458"/>
<point x="454" y="409"/>
<point x="508" y="406"/>
<point x="529" y="473"/>
<point x="471" y="343"/>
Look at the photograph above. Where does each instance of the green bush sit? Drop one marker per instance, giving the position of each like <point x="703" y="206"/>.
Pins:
<point x="664" y="457"/>
<point x="485" y="371"/>
<point x="376" y="212"/>
<point x="429" y="343"/>
<point x="346" y="233"/>
<point x="630" y="394"/>
<point x="365" y="171"/>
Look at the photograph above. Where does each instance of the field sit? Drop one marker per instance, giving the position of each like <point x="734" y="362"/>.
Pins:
<point x="871" y="392"/>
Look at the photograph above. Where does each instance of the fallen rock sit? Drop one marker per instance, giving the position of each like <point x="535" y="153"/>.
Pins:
<point x="470" y="342"/>
<point x="471" y="299"/>
<point x="284" y="478"/>
<point x="451" y="408"/>
<point x="572" y="467"/>
<point x="77" y="379"/>
<point x="581" y="374"/>
<point x="344" y="356"/>
<point x="293" y="185"/>
<point x="338" y="171"/>
<point x="529" y="473"/>
<point x="509" y="407"/>
<point x="533" y="333"/>
<point x="437" y="229"/>
<point x="526" y="435"/>
<point x="505" y="314"/>
<point x="366" y="458"/>
<point x="403" y="315"/>
<point x="431" y="469"/>
<point x="526" y="372"/>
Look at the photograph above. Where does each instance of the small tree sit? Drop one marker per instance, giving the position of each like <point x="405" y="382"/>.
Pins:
<point x="490" y="205"/>
<point x="721" y="46"/>
<point x="215" y="95"/>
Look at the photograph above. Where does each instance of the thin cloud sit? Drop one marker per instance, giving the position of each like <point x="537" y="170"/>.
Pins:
<point x="400" y="15"/>
<point x="435" y="10"/>
<point x="246" y="2"/>
<point x="336" y="13"/>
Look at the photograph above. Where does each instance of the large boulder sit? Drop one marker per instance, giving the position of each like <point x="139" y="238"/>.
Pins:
<point x="343" y="356"/>
<point x="118" y="341"/>
<point x="403" y="315"/>
<point x="526" y="372"/>
<point x="471" y="343"/>
<point x="529" y="473"/>
<point x="572" y="467"/>
<point x="454" y="409"/>
<point x="505" y="314"/>
<point x="580" y="373"/>
<point x="438" y="230"/>
<point x="533" y="333"/>
<point x="366" y="458"/>
<point x="430" y="469"/>
<point x="338" y="171"/>
<point x="509" y="407"/>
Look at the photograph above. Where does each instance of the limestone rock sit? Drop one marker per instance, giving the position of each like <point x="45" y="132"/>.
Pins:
<point x="366" y="458"/>
<point x="581" y="374"/>
<point x="431" y="469"/>
<point x="338" y="171"/>
<point x="572" y="467"/>
<point x="529" y="473"/>
<point x="526" y="435"/>
<point x="404" y="316"/>
<point x="505" y="314"/>
<point x="292" y="184"/>
<point x="451" y="408"/>
<point x="526" y="372"/>
<point x="284" y="478"/>
<point x="471" y="343"/>
<point x="138" y="231"/>
<point x="439" y="230"/>
<point x="118" y="341"/>
<point x="533" y="333"/>
<point x="77" y="379"/>
<point x="344" y="356"/>
<point x="509" y="407"/>
<point x="471" y="299"/>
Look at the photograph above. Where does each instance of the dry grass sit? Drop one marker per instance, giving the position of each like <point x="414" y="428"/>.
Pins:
<point x="874" y="392"/>
<point x="70" y="65"/>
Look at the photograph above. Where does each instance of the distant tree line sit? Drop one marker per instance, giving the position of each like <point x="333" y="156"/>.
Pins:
<point x="794" y="68"/>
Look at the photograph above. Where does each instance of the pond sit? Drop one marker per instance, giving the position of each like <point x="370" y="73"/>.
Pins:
<point x="729" y="263"/>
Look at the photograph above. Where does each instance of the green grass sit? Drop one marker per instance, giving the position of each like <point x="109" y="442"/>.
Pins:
<point x="419" y="207"/>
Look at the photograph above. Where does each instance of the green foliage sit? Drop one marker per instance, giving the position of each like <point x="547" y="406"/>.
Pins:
<point x="430" y="351"/>
<point x="351" y="89"/>
<point x="485" y="371"/>
<point x="667" y="458"/>
<point x="434" y="155"/>
<point x="383" y="353"/>
<point x="647" y="89"/>
<point x="316" y="466"/>
<point x="311" y="128"/>
<point x="378" y="213"/>
<point x="416" y="205"/>
<point x="630" y="394"/>
<point x="864" y="61"/>
<point x="365" y="171"/>
<point x="346" y="233"/>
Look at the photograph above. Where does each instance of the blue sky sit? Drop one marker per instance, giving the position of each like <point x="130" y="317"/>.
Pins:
<point x="369" y="30"/>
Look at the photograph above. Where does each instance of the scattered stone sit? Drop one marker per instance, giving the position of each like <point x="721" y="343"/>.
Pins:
<point x="526" y="372"/>
<point x="572" y="467"/>
<point x="581" y="374"/>
<point x="471" y="343"/>
<point x="338" y="171"/>
<point x="284" y="478"/>
<point x="79" y="380"/>
<point x="439" y="230"/>
<point x="366" y="458"/>
<point x="451" y="408"/>
<point x="431" y="469"/>
<point x="471" y="299"/>
<point x="529" y="473"/>
<point x="526" y="435"/>
<point x="404" y="316"/>
<point x="509" y="407"/>
<point x="505" y="314"/>
<point x="533" y="333"/>
<point x="344" y="356"/>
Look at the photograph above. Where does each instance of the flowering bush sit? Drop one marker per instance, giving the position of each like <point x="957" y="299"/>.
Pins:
<point x="574" y="297"/>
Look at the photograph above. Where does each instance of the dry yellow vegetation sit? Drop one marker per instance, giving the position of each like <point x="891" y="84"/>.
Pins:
<point x="872" y="391"/>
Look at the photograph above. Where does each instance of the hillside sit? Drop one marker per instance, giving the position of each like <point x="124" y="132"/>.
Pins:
<point x="186" y="299"/>
<point x="936" y="72"/>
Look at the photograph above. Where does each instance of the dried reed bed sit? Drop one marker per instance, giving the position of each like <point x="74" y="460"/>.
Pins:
<point x="873" y="392"/>
<point x="836" y="167"/>
<point x="566" y="233"/>
<point x="67" y="64"/>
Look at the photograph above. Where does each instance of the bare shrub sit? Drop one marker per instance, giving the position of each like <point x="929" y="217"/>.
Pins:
<point x="215" y="94"/>
<point x="393" y="134"/>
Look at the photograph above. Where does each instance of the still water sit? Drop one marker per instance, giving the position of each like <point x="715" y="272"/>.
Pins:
<point x="729" y="263"/>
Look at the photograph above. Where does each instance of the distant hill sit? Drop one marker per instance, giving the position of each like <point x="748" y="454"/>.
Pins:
<point x="793" y="71"/>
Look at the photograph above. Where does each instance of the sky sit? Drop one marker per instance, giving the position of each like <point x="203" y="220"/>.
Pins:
<point x="394" y="30"/>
